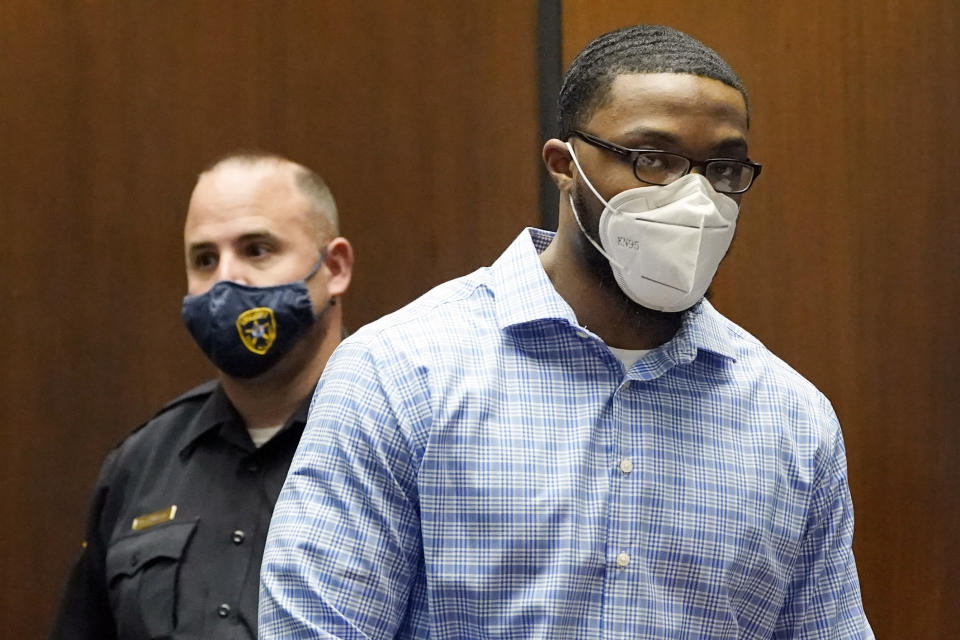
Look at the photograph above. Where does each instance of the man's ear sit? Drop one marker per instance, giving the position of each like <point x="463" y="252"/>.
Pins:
<point x="556" y="157"/>
<point x="339" y="264"/>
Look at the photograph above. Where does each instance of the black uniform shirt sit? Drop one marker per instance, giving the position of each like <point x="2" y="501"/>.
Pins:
<point x="195" y="574"/>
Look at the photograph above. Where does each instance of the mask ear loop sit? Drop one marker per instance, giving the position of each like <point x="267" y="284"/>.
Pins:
<point x="576" y="215"/>
<point x="332" y="301"/>
<point x="320" y="261"/>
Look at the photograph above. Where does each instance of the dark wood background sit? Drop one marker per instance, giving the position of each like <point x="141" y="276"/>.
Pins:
<point x="847" y="257"/>
<point x="423" y="118"/>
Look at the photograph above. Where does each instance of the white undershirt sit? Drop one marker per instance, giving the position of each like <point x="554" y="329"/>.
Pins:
<point x="260" y="436"/>
<point x="629" y="356"/>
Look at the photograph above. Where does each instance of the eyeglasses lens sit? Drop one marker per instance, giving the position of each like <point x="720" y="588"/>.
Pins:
<point x="729" y="177"/>
<point x="659" y="168"/>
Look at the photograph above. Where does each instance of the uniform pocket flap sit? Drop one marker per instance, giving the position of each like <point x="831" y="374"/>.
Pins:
<point x="128" y="555"/>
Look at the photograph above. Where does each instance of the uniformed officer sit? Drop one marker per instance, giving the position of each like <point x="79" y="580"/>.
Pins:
<point x="180" y="512"/>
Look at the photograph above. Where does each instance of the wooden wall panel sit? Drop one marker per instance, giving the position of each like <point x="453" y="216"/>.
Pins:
<point x="847" y="257"/>
<point x="422" y="117"/>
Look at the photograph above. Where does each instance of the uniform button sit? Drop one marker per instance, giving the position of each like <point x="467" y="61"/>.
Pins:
<point x="237" y="536"/>
<point x="626" y="465"/>
<point x="623" y="559"/>
<point x="223" y="610"/>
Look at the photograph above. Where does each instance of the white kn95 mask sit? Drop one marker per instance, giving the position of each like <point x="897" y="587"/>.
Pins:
<point x="664" y="243"/>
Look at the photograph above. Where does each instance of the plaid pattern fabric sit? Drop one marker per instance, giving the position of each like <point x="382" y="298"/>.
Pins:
<point x="477" y="465"/>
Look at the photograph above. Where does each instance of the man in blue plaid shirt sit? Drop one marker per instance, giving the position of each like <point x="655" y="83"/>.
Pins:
<point x="572" y="442"/>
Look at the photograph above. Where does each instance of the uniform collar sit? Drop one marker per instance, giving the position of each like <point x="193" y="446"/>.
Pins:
<point x="524" y="294"/>
<point x="218" y="417"/>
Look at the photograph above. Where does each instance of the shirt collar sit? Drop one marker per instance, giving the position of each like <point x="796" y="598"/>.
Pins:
<point x="703" y="329"/>
<point x="524" y="294"/>
<point x="218" y="416"/>
<point x="522" y="290"/>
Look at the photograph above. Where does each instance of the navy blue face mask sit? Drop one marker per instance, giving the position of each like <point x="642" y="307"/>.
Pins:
<point x="245" y="330"/>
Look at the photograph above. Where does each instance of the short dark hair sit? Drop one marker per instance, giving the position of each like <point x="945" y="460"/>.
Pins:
<point x="642" y="48"/>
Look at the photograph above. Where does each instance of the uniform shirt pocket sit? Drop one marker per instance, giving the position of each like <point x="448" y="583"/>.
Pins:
<point x="142" y="571"/>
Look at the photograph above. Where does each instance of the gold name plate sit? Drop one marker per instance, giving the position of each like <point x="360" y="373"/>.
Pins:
<point x="148" y="520"/>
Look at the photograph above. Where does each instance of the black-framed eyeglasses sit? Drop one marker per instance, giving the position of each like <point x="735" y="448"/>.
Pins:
<point x="727" y="175"/>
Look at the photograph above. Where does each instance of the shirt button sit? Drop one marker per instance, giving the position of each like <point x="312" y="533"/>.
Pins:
<point x="237" y="536"/>
<point x="623" y="559"/>
<point x="626" y="465"/>
<point x="583" y="334"/>
<point x="223" y="610"/>
<point x="253" y="467"/>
